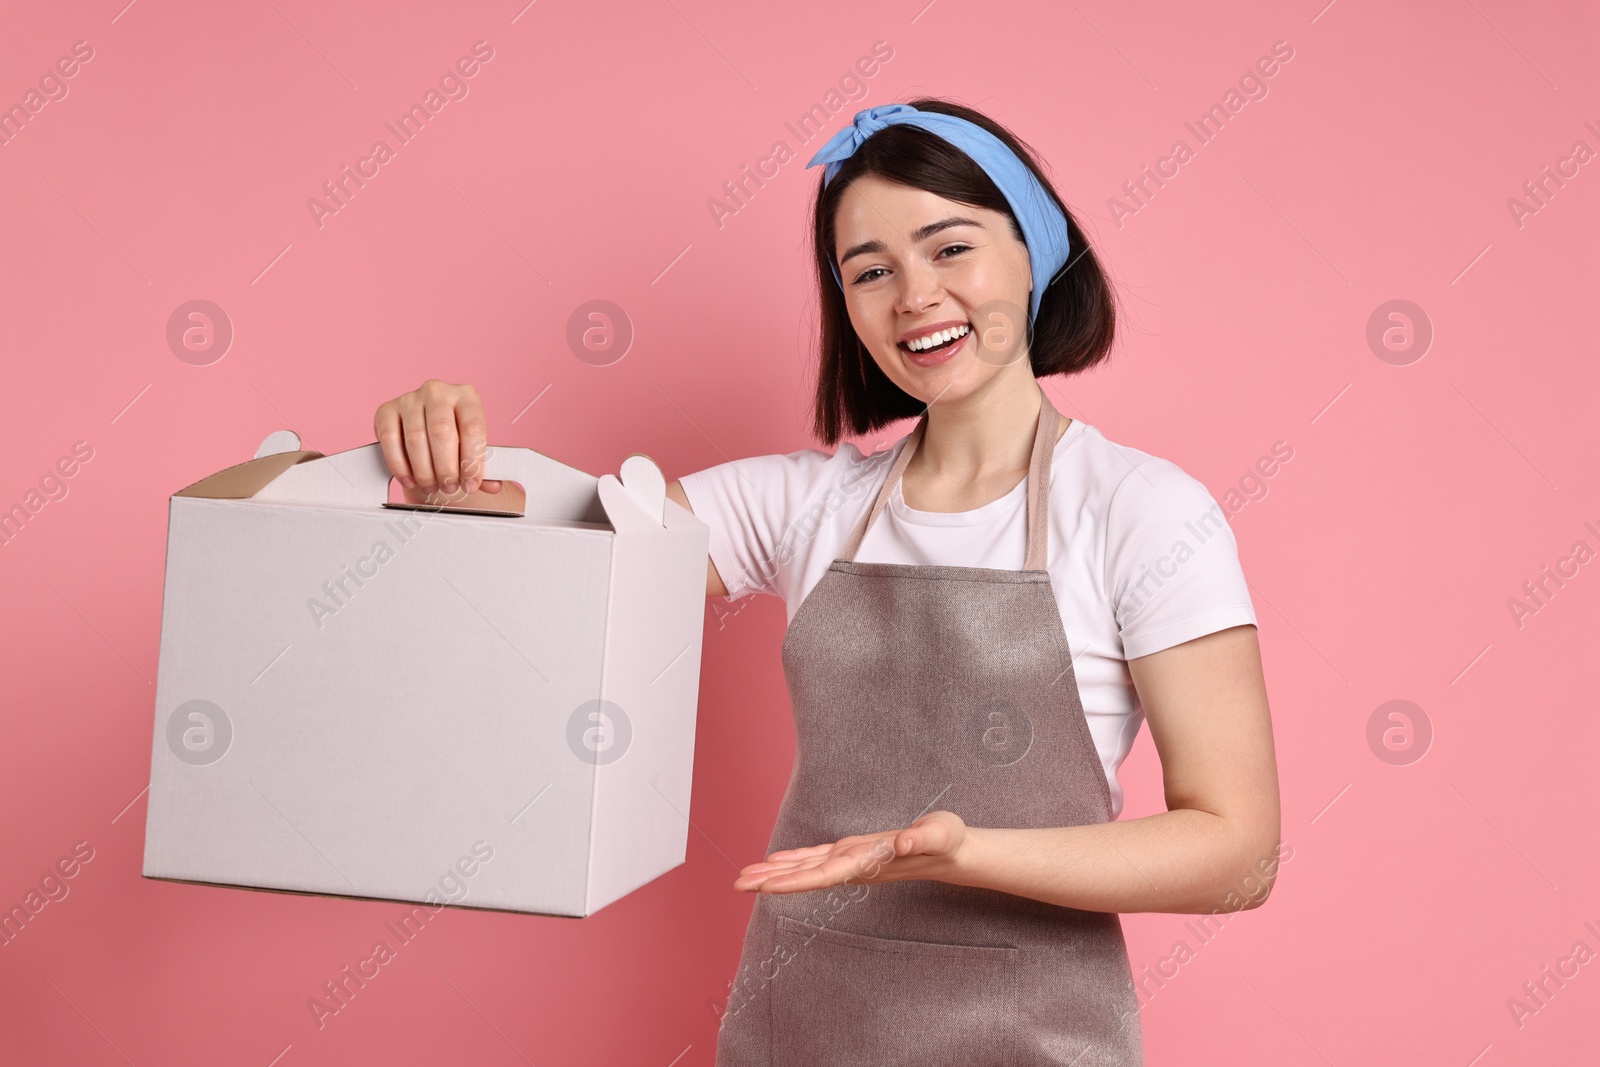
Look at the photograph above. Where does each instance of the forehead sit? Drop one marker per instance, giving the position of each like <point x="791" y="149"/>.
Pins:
<point x="874" y="207"/>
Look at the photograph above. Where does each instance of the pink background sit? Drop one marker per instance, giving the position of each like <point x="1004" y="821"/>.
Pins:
<point x="1382" y="557"/>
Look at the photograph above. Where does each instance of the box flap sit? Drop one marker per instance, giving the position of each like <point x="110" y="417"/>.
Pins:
<point x="244" y="480"/>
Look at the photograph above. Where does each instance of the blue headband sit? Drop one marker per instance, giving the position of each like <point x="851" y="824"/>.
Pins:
<point x="1044" y="227"/>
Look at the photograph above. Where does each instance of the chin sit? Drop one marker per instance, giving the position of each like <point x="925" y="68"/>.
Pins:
<point x="959" y="384"/>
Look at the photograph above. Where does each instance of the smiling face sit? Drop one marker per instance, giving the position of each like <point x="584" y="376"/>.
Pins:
<point x="912" y="263"/>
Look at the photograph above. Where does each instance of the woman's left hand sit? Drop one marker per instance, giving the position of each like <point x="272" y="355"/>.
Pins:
<point x="928" y="848"/>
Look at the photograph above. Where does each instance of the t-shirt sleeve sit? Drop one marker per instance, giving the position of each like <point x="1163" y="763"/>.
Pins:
<point x="751" y="506"/>
<point x="1172" y="564"/>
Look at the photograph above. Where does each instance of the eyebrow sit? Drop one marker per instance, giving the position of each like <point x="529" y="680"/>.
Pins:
<point x="917" y="237"/>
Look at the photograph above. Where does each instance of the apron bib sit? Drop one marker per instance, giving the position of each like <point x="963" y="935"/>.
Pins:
<point x="914" y="689"/>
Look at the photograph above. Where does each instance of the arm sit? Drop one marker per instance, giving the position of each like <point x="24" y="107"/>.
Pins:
<point x="714" y="586"/>
<point x="1214" y="849"/>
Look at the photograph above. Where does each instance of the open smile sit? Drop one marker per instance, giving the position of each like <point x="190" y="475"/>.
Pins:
<point x="950" y="341"/>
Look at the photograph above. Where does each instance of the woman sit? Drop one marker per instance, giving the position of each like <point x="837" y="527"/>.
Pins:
<point x="979" y="618"/>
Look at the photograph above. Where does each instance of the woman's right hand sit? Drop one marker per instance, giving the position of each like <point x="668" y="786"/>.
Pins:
<point x="434" y="440"/>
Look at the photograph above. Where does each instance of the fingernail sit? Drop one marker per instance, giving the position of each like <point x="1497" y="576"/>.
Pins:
<point x="450" y="486"/>
<point x="406" y="480"/>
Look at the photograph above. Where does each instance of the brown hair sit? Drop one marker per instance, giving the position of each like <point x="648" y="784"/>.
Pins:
<point x="1077" y="316"/>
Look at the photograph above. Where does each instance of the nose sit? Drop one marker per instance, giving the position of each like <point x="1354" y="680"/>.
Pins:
<point x="918" y="286"/>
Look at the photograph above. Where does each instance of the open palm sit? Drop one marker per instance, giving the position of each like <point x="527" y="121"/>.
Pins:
<point x="925" y="849"/>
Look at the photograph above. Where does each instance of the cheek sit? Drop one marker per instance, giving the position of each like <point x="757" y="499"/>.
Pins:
<point x="995" y="271"/>
<point x="873" y="325"/>
<point x="889" y="362"/>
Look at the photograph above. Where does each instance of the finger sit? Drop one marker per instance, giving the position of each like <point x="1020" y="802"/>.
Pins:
<point x="812" y="850"/>
<point x="946" y="819"/>
<point x="757" y="869"/>
<point x="798" y="881"/>
<point x="843" y="842"/>
<point x="840" y="866"/>
<point x="414" y="434"/>
<point x="751" y="878"/>
<point x="473" y="428"/>
<point x="445" y="442"/>
<point x="809" y="874"/>
<point x="386" y="430"/>
<point x="929" y="837"/>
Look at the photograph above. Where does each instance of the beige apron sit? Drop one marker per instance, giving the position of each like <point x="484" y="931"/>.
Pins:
<point x="915" y="689"/>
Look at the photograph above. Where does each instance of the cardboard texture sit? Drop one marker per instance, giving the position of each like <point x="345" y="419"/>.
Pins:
<point x="494" y="711"/>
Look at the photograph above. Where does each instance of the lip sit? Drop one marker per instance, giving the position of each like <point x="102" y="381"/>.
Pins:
<point x="932" y="327"/>
<point x="944" y="355"/>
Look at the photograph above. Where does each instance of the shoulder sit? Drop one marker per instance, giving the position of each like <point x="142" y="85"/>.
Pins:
<point x="1114" y="480"/>
<point x="794" y="478"/>
<point x="766" y="512"/>
<point x="1169" y="562"/>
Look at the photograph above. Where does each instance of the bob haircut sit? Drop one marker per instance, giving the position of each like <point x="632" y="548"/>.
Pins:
<point x="1077" y="317"/>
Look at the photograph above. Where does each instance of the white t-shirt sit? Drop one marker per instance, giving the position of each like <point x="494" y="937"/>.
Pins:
<point x="1141" y="556"/>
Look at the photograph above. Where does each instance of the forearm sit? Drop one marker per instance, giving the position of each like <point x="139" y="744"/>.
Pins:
<point x="1183" y="860"/>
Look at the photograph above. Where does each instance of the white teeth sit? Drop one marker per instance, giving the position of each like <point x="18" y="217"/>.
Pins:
<point x="935" y="339"/>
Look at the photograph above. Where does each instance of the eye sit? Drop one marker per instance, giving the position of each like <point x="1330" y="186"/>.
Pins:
<point x="867" y="276"/>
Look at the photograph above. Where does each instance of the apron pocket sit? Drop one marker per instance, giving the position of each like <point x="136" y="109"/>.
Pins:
<point x="847" y="998"/>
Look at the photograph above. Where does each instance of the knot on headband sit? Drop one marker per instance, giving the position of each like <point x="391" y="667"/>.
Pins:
<point x="867" y="122"/>
<point x="1044" y="227"/>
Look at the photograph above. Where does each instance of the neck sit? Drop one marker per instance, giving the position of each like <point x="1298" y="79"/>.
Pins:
<point x="987" y="433"/>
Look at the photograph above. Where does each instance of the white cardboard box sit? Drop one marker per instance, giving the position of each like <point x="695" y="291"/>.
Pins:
<point x="433" y="706"/>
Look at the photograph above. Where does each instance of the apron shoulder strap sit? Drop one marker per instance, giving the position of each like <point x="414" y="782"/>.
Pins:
<point x="896" y="469"/>
<point x="1044" y="449"/>
<point x="1044" y="441"/>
